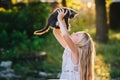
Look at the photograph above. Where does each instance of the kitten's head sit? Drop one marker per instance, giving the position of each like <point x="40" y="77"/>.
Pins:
<point x="71" y="13"/>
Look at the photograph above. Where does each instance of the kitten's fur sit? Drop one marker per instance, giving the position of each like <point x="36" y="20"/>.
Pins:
<point x="52" y="20"/>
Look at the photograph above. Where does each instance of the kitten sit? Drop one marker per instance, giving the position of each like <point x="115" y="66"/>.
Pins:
<point x="52" y="20"/>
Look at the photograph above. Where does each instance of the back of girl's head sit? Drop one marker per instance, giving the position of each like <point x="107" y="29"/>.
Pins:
<point x="86" y="56"/>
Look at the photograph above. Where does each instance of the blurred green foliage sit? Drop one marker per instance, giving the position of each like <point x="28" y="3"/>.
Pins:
<point x="111" y="53"/>
<point x="17" y="27"/>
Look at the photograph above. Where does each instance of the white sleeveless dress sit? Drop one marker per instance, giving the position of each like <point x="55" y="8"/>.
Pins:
<point x="70" y="71"/>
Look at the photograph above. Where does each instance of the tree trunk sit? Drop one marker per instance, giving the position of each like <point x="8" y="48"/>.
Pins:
<point x="64" y="3"/>
<point x="101" y="21"/>
<point x="114" y="16"/>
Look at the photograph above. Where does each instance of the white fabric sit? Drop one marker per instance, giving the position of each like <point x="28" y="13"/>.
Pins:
<point x="70" y="71"/>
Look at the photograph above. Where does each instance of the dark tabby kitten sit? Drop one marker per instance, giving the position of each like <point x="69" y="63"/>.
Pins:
<point x="52" y="20"/>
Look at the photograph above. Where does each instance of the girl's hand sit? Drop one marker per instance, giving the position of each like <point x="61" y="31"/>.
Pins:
<point x="61" y="14"/>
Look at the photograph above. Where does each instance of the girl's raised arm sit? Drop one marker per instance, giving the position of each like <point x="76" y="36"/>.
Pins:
<point x="65" y="33"/>
<point x="59" y="37"/>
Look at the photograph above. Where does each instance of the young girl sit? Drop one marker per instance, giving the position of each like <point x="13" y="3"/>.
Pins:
<point x="78" y="56"/>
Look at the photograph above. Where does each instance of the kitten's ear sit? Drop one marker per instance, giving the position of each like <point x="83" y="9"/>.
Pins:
<point x="74" y="12"/>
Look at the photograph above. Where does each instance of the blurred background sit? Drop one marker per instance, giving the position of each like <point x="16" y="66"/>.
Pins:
<point x="24" y="56"/>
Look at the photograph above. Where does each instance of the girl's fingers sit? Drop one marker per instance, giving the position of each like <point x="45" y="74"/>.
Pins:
<point x="65" y="12"/>
<point x="59" y="10"/>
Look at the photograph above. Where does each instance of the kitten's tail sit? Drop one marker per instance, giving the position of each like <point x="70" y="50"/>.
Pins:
<point x="40" y="32"/>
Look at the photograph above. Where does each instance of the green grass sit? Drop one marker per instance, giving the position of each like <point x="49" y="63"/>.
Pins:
<point x="111" y="53"/>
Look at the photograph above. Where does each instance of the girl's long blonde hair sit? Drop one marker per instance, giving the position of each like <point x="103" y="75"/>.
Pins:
<point x="86" y="56"/>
